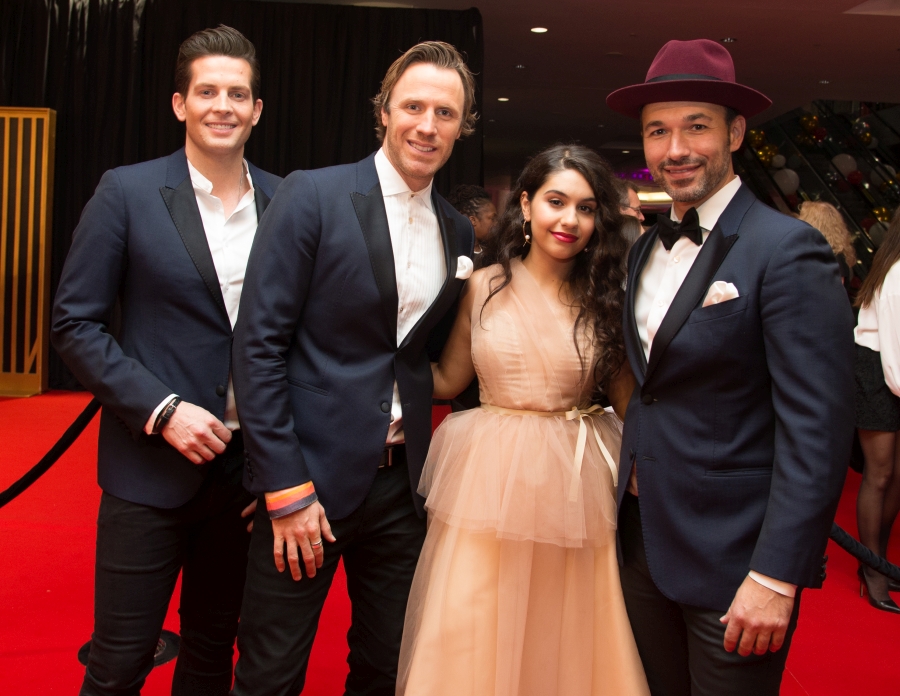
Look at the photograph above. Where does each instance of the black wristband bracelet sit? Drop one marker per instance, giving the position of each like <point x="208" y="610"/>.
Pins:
<point x="163" y="418"/>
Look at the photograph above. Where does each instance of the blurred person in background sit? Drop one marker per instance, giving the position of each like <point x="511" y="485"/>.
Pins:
<point x="630" y="203"/>
<point x="828" y="220"/>
<point x="878" y="409"/>
<point x="475" y="203"/>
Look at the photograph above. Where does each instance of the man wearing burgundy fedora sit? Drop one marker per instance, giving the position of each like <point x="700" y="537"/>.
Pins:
<point x="738" y="433"/>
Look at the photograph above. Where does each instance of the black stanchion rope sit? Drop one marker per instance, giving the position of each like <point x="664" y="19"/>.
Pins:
<point x="840" y="537"/>
<point x="49" y="459"/>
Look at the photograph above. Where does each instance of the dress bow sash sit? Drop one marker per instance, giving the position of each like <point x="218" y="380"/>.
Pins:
<point x="582" y="415"/>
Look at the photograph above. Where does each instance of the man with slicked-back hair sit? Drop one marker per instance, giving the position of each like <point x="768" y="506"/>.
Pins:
<point x="169" y="240"/>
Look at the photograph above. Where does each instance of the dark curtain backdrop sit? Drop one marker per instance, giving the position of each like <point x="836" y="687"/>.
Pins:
<point x="106" y="67"/>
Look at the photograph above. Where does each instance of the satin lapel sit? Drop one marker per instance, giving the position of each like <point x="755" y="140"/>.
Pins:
<point x="634" y="281"/>
<point x="261" y="200"/>
<point x="182" y="204"/>
<point x="374" y="225"/>
<point x="448" y="237"/>
<point x="695" y="284"/>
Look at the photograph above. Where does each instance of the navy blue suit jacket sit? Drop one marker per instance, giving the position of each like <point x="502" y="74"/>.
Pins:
<point x="315" y="352"/>
<point x="742" y="419"/>
<point x="141" y="242"/>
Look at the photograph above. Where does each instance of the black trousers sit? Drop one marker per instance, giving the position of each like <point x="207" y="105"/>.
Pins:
<point x="140" y="551"/>
<point x="380" y="544"/>
<point x="681" y="645"/>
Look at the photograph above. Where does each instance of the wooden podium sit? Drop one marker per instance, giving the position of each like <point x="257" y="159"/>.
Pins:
<point x="27" y="145"/>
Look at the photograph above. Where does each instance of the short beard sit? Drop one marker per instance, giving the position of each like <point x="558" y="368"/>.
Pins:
<point x="710" y="178"/>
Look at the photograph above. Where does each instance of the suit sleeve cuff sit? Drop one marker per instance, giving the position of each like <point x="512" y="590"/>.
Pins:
<point x="779" y="586"/>
<point x="281" y="503"/>
<point x="148" y="428"/>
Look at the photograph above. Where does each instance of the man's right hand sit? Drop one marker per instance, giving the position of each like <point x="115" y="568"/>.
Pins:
<point x="196" y="433"/>
<point x="302" y="532"/>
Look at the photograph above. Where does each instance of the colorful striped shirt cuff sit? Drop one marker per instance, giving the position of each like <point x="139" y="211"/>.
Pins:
<point x="290" y="500"/>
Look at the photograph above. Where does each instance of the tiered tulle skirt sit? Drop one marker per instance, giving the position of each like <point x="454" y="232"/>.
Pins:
<point x="517" y="589"/>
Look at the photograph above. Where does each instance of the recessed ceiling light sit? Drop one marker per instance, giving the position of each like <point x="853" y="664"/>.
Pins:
<point x="539" y="30"/>
<point x="626" y="152"/>
<point x="503" y="99"/>
<point x="601" y="125"/>
<point x="729" y="39"/>
<point x="520" y="67"/>
<point x="491" y="120"/>
<point x="824" y="82"/>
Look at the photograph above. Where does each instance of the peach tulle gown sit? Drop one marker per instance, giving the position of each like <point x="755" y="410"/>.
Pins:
<point x="517" y="589"/>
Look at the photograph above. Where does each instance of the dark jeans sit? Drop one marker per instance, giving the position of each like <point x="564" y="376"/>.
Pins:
<point x="140" y="551"/>
<point x="380" y="544"/>
<point x="681" y="645"/>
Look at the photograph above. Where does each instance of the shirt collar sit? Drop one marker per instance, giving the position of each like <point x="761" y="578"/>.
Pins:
<point x="712" y="209"/>
<point x="202" y="183"/>
<point x="392" y="183"/>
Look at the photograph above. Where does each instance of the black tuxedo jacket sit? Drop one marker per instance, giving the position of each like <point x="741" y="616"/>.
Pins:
<point x="742" y="419"/>
<point x="141" y="242"/>
<point x="316" y="354"/>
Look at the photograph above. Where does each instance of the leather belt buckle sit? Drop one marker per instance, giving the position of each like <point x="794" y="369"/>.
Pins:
<point x="389" y="457"/>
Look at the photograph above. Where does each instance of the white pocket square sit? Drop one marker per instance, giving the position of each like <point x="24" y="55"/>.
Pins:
<point x="464" y="267"/>
<point x="719" y="292"/>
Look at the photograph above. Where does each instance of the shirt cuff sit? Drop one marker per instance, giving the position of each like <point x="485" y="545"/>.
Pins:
<point x="281" y="503"/>
<point x="148" y="428"/>
<point x="779" y="586"/>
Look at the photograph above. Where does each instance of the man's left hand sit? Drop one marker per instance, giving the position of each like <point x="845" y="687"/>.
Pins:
<point x="248" y="512"/>
<point x="758" y="617"/>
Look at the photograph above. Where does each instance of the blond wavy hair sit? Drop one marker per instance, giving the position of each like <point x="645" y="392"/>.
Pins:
<point x="829" y="221"/>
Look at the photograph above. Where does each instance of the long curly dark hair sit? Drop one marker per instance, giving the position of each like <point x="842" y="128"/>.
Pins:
<point x="597" y="278"/>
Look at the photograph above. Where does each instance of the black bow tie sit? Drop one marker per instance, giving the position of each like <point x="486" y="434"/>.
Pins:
<point x="689" y="227"/>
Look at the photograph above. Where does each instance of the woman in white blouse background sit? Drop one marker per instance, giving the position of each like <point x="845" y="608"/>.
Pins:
<point x="878" y="409"/>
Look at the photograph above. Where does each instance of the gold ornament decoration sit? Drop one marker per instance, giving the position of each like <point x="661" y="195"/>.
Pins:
<point x="809" y="123"/>
<point x="764" y="156"/>
<point x="882" y="214"/>
<point x="772" y="150"/>
<point x="756" y="138"/>
<point x="865" y="137"/>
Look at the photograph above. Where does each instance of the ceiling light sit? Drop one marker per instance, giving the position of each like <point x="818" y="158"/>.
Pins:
<point x="539" y="30"/>
<point x="626" y="152"/>
<point x="729" y="39"/>
<point x="601" y="125"/>
<point x="824" y="82"/>
<point x="520" y="67"/>
<point x="503" y="99"/>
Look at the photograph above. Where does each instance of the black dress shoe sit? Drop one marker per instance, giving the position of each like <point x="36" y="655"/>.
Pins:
<point x="888" y="604"/>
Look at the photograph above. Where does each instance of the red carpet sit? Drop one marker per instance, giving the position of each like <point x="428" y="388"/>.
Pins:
<point x="842" y="647"/>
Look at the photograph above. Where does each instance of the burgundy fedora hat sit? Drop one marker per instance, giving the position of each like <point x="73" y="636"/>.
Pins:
<point x="700" y="70"/>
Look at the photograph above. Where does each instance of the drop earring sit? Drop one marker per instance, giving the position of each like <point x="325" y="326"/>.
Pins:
<point x="527" y="236"/>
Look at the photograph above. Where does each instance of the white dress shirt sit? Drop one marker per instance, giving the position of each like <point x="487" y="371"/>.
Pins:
<point x="878" y="327"/>
<point x="665" y="271"/>
<point x="230" y="239"/>
<point x="660" y="281"/>
<point x="419" y="264"/>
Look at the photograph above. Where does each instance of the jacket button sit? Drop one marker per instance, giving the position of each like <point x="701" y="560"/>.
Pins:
<point x="220" y="390"/>
<point x="647" y="399"/>
<point x="385" y="407"/>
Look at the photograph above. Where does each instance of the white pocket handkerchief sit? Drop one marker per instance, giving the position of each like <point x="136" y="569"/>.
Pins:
<point x="719" y="292"/>
<point x="464" y="267"/>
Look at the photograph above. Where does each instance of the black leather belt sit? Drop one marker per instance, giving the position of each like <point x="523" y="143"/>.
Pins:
<point x="392" y="455"/>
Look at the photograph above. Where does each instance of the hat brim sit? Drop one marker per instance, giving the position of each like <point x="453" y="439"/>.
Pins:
<point x="745" y="100"/>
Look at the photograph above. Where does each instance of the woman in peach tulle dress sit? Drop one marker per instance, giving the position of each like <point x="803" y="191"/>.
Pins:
<point x="517" y="589"/>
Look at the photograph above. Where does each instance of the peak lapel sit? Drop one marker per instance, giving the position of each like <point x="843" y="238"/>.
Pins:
<point x="695" y="284"/>
<point x="373" y="222"/>
<point x="182" y="204"/>
<point x="633" y="336"/>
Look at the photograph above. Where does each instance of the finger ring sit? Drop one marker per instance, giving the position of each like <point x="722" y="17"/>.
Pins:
<point x="316" y="544"/>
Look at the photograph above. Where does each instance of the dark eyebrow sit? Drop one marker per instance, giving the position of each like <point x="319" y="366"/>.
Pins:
<point x="698" y="117"/>
<point x="566" y="195"/>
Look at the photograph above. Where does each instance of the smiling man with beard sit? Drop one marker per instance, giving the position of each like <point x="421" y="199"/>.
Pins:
<point x="353" y="267"/>
<point x="737" y="437"/>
